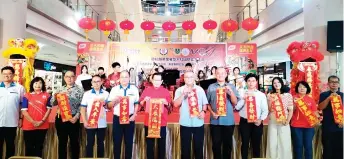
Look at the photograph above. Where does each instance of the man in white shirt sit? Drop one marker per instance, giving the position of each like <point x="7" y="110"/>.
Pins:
<point x="11" y="95"/>
<point x="126" y="130"/>
<point x="252" y="129"/>
<point x="87" y="106"/>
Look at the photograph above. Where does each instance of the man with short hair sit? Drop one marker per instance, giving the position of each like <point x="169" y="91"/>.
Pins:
<point x="124" y="89"/>
<point x="332" y="131"/>
<point x="222" y="126"/>
<point x="68" y="129"/>
<point x="188" y="68"/>
<point x="113" y="78"/>
<point x="11" y="96"/>
<point x="193" y="105"/>
<point x="157" y="91"/>
<point x="101" y="72"/>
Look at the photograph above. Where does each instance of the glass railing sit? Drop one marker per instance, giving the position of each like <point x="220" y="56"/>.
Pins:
<point x="114" y="36"/>
<point x="168" y="10"/>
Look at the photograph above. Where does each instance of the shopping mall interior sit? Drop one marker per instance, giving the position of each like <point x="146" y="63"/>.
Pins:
<point x="255" y="35"/>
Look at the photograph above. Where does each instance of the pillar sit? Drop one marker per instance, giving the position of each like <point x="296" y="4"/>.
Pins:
<point x="316" y="15"/>
<point x="12" y="23"/>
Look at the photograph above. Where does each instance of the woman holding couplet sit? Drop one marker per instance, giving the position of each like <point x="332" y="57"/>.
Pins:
<point x="304" y="119"/>
<point x="281" y="110"/>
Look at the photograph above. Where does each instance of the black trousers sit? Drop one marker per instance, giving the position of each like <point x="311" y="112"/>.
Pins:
<point x="222" y="140"/>
<point x="332" y="145"/>
<point x="250" y="132"/>
<point x="91" y="133"/>
<point x="186" y="134"/>
<point x="161" y="144"/>
<point x="8" y="134"/>
<point x="65" y="130"/>
<point x="120" y="131"/>
<point x="34" y="140"/>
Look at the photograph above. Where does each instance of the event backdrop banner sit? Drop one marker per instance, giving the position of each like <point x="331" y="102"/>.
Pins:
<point x="93" y="55"/>
<point x="243" y="56"/>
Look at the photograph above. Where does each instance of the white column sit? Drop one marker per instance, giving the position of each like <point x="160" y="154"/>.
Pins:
<point x="12" y="23"/>
<point x="316" y="15"/>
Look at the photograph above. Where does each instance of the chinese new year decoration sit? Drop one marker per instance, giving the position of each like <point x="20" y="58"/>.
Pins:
<point x="250" y="24"/>
<point x="193" y="103"/>
<point x="64" y="106"/>
<point x="278" y="108"/>
<point x="147" y="26"/>
<point x="188" y="26"/>
<point x="124" y="110"/>
<point x="209" y="25"/>
<point x="96" y="109"/>
<point x="229" y="26"/>
<point x="87" y="24"/>
<point x="107" y="26"/>
<point x="126" y="25"/>
<point x="306" y="64"/>
<point x="21" y="56"/>
<point x="251" y="108"/>
<point x="221" y="101"/>
<point x="337" y="109"/>
<point x="300" y="104"/>
<point x="154" y="119"/>
<point x="168" y="27"/>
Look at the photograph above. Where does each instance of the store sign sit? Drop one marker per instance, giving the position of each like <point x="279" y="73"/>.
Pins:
<point x="49" y="66"/>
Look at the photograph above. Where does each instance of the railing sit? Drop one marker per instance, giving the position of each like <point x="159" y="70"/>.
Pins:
<point x="252" y="9"/>
<point x="168" y="10"/>
<point x="115" y="36"/>
<point x="221" y="36"/>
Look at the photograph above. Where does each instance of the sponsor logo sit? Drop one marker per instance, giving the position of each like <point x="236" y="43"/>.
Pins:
<point x="177" y="51"/>
<point x="163" y="51"/>
<point x="231" y="47"/>
<point x="82" y="46"/>
<point x="185" y="52"/>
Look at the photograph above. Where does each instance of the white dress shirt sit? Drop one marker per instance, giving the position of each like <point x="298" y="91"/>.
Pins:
<point x="262" y="109"/>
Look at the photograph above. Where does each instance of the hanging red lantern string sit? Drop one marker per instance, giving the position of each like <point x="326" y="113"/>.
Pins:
<point x="209" y="25"/>
<point x="147" y="26"/>
<point x="229" y="26"/>
<point x="188" y="26"/>
<point x="168" y="27"/>
<point x="126" y="25"/>
<point x="87" y="24"/>
<point x="107" y="26"/>
<point x="250" y="24"/>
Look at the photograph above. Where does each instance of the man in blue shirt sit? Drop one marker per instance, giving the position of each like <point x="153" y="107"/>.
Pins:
<point x="332" y="133"/>
<point x="191" y="125"/>
<point x="222" y="127"/>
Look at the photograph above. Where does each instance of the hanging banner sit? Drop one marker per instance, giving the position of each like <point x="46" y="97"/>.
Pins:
<point x="243" y="56"/>
<point x="93" y="55"/>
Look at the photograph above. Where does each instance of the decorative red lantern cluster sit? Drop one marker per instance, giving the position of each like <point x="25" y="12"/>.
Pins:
<point x="168" y="27"/>
<point x="87" y="24"/>
<point x="107" y="26"/>
<point x="209" y="25"/>
<point x="147" y="26"/>
<point x="126" y="25"/>
<point x="188" y="26"/>
<point x="250" y="24"/>
<point x="229" y="26"/>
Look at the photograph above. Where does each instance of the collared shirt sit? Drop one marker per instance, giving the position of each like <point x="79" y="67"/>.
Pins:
<point x="328" y="123"/>
<point x="87" y="102"/>
<point x="160" y="92"/>
<point x="131" y="91"/>
<point x="36" y="105"/>
<point x="112" y="77"/>
<point x="74" y="94"/>
<point x="211" y="95"/>
<point x="10" y="98"/>
<point x="185" y="119"/>
<point x="262" y="109"/>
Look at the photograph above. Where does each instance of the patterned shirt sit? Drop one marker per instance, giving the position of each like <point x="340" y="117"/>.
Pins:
<point x="74" y="93"/>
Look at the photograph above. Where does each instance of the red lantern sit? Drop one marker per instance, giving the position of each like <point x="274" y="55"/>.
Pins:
<point x="168" y="27"/>
<point x="147" y="26"/>
<point x="107" y="26"/>
<point x="229" y="26"/>
<point x="209" y="25"/>
<point x="188" y="26"/>
<point x="250" y="24"/>
<point x="126" y="25"/>
<point x="87" y="24"/>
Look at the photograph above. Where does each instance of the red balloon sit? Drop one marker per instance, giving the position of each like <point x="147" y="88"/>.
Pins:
<point x="107" y="25"/>
<point x="209" y="25"/>
<point x="126" y="25"/>
<point x="168" y="26"/>
<point x="229" y="25"/>
<point x="147" y="25"/>
<point x="87" y="23"/>
<point x="250" y="24"/>
<point x="189" y="25"/>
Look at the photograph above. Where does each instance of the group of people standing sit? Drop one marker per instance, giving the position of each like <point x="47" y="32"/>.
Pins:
<point x="291" y="118"/>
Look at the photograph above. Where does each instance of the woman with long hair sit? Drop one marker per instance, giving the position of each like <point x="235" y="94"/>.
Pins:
<point x="280" y="105"/>
<point x="304" y="119"/>
<point x="35" y="109"/>
<point x="83" y="76"/>
<point x="212" y="72"/>
<point x="201" y="76"/>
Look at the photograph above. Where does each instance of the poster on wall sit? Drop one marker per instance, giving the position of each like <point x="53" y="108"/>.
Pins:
<point x="243" y="56"/>
<point x="93" y="55"/>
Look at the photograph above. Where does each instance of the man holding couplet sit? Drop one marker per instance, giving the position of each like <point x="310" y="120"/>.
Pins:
<point x="156" y="100"/>
<point x="331" y="102"/>
<point x="253" y="111"/>
<point x="124" y="98"/>
<point x="193" y="105"/>
<point x="68" y="99"/>
<point x="94" y="116"/>
<point x="222" y="96"/>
